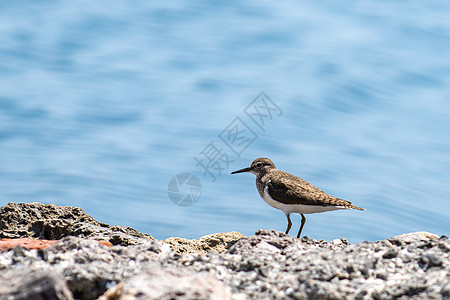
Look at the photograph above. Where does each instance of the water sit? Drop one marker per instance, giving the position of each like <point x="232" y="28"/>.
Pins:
<point x="101" y="104"/>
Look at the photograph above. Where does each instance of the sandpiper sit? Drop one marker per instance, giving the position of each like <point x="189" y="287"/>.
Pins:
<point x="290" y="193"/>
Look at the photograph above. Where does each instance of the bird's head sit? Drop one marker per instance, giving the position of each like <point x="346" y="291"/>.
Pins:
<point x="259" y="167"/>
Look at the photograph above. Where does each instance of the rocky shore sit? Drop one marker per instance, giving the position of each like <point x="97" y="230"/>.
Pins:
<point x="69" y="262"/>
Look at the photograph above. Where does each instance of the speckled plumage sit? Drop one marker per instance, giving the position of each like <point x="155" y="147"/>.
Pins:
<point x="290" y="193"/>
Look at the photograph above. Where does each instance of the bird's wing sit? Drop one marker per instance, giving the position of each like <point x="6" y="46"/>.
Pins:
<point x="294" y="190"/>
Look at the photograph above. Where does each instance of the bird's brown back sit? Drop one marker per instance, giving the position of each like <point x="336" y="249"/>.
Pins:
<point x="290" y="189"/>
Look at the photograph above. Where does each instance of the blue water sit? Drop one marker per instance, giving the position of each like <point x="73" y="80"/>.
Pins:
<point x="102" y="103"/>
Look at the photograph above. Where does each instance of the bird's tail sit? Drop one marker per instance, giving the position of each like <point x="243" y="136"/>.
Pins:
<point x="346" y="204"/>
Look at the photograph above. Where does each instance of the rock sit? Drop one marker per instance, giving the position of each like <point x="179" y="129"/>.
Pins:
<point x="268" y="265"/>
<point x="306" y="268"/>
<point x="88" y="267"/>
<point x="17" y="216"/>
<point x="413" y="236"/>
<point x="33" y="284"/>
<point x="52" y="222"/>
<point x="113" y="293"/>
<point x="280" y="241"/>
<point x="33" y="243"/>
<point x="157" y="283"/>
<point x="219" y="242"/>
<point x="336" y="242"/>
<point x="26" y="243"/>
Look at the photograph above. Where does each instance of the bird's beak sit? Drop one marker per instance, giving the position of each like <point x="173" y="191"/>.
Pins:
<point x="242" y="170"/>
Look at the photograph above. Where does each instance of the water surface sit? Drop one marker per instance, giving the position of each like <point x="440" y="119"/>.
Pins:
<point x="101" y="104"/>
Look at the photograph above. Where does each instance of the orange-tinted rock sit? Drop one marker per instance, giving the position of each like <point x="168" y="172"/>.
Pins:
<point x="106" y="243"/>
<point x="6" y="244"/>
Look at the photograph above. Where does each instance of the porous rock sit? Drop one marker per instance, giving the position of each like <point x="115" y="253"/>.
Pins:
<point x="154" y="283"/>
<point x="88" y="267"/>
<point x="267" y="265"/>
<point x="52" y="222"/>
<point x="272" y="265"/>
<point x="219" y="242"/>
<point x="33" y="284"/>
<point x="408" y="238"/>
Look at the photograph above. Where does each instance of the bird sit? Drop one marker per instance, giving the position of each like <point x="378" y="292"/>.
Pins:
<point x="290" y="193"/>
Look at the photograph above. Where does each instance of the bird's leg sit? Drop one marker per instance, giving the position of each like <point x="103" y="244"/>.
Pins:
<point x="301" y="226"/>
<point x="289" y="223"/>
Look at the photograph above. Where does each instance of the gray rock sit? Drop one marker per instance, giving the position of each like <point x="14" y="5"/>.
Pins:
<point x="87" y="267"/>
<point x="279" y="243"/>
<point x="265" y="266"/>
<point x="309" y="269"/>
<point x="268" y="265"/>
<point x="33" y="284"/>
<point x="156" y="283"/>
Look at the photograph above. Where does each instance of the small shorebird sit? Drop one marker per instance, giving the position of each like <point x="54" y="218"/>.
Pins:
<point x="290" y="193"/>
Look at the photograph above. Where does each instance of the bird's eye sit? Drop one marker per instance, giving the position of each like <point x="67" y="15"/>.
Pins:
<point x="259" y="165"/>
